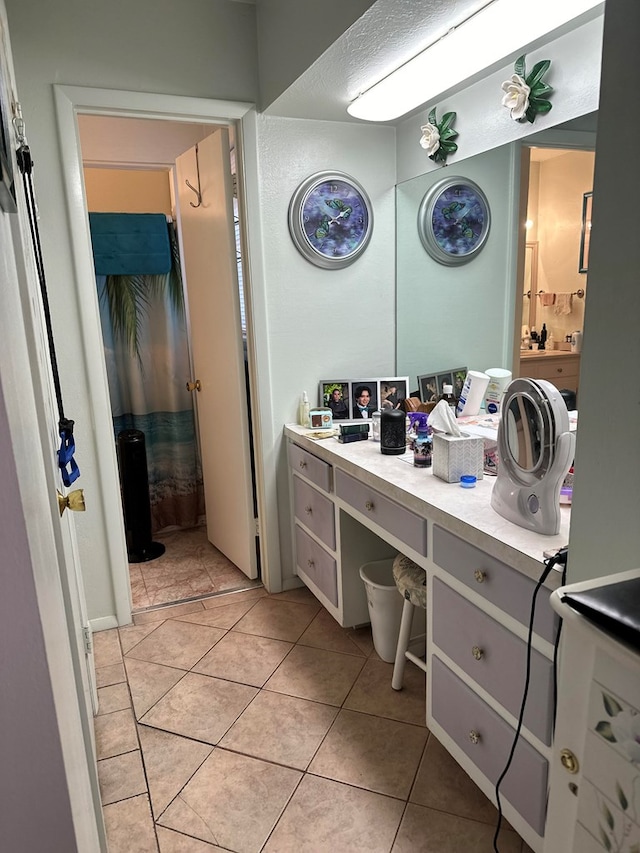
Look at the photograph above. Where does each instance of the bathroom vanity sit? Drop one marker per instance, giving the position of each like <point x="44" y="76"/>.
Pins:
<point x="557" y="366"/>
<point x="350" y="504"/>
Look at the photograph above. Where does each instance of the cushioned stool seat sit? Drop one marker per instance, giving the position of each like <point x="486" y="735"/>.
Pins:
<point x="411" y="581"/>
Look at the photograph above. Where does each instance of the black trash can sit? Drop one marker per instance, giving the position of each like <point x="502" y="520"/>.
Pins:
<point x="134" y="484"/>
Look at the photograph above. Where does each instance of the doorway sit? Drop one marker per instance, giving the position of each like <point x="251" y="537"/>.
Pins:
<point x="553" y="286"/>
<point x="135" y="165"/>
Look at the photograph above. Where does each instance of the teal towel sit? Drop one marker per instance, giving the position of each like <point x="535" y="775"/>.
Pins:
<point x="130" y="243"/>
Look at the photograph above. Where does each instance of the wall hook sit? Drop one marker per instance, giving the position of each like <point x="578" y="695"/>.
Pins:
<point x="198" y="191"/>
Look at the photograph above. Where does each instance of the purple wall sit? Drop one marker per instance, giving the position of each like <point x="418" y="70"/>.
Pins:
<point x="35" y="813"/>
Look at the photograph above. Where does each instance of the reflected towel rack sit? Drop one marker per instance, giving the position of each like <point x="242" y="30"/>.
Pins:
<point x="579" y="293"/>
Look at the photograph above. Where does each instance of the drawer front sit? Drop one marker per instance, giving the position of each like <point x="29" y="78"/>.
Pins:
<point x="317" y="565"/>
<point x="486" y="739"/>
<point x="315" y="511"/>
<point x="401" y="522"/>
<point x="495" y="581"/>
<point x="309" y="466"/>
<point x="494" y="657"/>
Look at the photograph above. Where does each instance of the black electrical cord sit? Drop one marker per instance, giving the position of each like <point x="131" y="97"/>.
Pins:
<point x="559" y="557"/>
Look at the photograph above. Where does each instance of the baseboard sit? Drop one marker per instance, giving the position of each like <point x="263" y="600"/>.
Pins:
<point x="103" y="623"/>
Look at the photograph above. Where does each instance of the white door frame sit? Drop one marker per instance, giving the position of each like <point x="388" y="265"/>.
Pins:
<point x="71" y="101"/>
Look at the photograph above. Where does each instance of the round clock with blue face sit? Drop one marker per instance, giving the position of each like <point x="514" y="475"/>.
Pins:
<point x="330" y="219"/>
<point x="454" y="221"/>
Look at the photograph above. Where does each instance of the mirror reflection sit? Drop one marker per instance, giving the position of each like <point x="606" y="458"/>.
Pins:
<point x="524" y="432"/>
<point x="477" y="313"/>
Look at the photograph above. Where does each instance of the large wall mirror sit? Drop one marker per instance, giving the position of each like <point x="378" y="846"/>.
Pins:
<point x="473" y="314"/>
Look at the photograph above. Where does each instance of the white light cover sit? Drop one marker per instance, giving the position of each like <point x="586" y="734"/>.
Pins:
<point x="489" y="36"/>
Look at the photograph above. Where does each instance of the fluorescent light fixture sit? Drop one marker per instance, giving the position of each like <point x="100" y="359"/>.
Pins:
<point x="493" y="33"/>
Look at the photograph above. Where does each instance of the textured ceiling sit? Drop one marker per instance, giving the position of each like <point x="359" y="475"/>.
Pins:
<point x="388" y="34"/>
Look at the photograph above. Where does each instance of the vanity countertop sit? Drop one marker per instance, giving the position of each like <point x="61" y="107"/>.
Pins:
<point x="464" y="512"/>
<point x="554" y="353"/>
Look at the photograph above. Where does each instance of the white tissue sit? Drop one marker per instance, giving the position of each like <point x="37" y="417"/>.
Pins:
<point x="442" y="419"/>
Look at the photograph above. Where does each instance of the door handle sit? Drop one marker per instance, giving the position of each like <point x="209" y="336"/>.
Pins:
<point x="194" y="386"/>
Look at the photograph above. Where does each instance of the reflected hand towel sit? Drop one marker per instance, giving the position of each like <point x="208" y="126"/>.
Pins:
<point x="547" y="299"/>
<point x="563" y="303"/>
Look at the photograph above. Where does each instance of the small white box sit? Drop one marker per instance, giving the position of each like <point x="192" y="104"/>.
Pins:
<point x="455" y="455"/>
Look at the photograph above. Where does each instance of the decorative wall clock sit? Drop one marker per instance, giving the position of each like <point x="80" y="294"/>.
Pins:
<point x="454" y="220"/>
<point x="330" y="219"/>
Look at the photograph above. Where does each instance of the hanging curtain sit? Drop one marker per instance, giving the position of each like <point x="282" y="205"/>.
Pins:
<point x="147" y="360"/>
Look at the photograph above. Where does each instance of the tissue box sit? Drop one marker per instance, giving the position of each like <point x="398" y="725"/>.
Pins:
<point x="455" y="455"/>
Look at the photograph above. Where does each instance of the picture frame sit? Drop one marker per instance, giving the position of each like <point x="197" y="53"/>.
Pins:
<point x="585" y="235"/>
<point x="336" y="395"/>
<point x="330" y="219"/>
<point x="7" y="187"/>
<point x="380" y="393"/>
<point x="430" y="385"/>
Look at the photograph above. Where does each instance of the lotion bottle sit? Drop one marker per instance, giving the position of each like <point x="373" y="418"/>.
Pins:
<point x="303" y="412"/>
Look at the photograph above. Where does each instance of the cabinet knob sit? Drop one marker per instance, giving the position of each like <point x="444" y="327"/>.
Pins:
<point x="477" y="652"/>
<point x="369" y="506"/>
<point x="308" y="510"/>
<point x="474" y="736"/>
<point x="558" y="370"/>
<point x="302" y="463"/>
<point x="480" y="576"/>
<point x="569" y="761"/>
<point x="310" y="564"/>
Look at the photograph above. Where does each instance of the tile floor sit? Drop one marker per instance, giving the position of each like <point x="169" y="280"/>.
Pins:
<point x="252" y="722"/>
<point x="190" y="567"/>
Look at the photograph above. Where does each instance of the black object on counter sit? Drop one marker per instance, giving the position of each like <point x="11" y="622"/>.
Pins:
<point x="393" y="432"/>
<point x="134" y="483"/>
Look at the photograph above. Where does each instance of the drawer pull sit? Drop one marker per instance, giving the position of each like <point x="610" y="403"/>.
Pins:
<point x="310" y="564"/>
<point x="569" y="761"/>
<point x="477" y="652"/>
<point x="308" y="510"/>
<point x="474" y="736"/>
<point x="302" y="463"/>
<point x="369" y="506"/>
<point x="558" y="370"/>
<point x="480" y="576"/>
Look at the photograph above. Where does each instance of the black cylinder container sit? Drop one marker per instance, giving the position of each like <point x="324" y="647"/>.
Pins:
<point x="134" y="483"/>
<point x="393" y="432"/>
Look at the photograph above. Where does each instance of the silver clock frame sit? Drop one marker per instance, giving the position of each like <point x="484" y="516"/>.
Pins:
<point x="425" y="222"/>
<point x="296" y="229"/>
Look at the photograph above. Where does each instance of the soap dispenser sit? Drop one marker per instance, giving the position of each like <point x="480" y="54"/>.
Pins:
<point x="543" y="337"/>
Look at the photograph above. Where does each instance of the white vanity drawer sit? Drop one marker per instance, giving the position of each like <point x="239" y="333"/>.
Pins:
<point x="316" y="565"/>
<point x="486" y="739"/>
<point x="401" y="522"/>
<point x="494" y="657"/>
<point x="315" y="511"/>
<point x="309" y="466"/>
<point x="496" y="581"/>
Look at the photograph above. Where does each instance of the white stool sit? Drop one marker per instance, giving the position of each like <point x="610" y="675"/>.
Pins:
<point x="411" y="581"/>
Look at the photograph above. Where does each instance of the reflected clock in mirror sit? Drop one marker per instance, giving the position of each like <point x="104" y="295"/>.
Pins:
<point x="330" y="219"/>
<point x="454" y="221"/>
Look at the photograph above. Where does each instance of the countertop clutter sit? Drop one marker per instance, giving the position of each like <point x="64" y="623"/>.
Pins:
<point x="465" y="512"/>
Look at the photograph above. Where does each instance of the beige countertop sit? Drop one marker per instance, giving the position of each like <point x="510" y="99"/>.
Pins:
<point x="464" y="512"/>
<point x="555" y="353"/>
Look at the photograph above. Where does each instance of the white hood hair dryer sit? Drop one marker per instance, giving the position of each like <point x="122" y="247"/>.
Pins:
<point x="535" y="452"/>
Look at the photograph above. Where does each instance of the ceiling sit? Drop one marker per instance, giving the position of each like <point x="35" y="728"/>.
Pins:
<point x="388" y="34"/>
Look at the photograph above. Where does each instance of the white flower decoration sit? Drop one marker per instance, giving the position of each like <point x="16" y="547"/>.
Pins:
<point x="516" y="98"/>
<point x="430" y="139"/>
<point x="626" y="730"/>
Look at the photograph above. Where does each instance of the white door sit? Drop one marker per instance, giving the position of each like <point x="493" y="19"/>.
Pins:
<point x="209" y="264"/>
